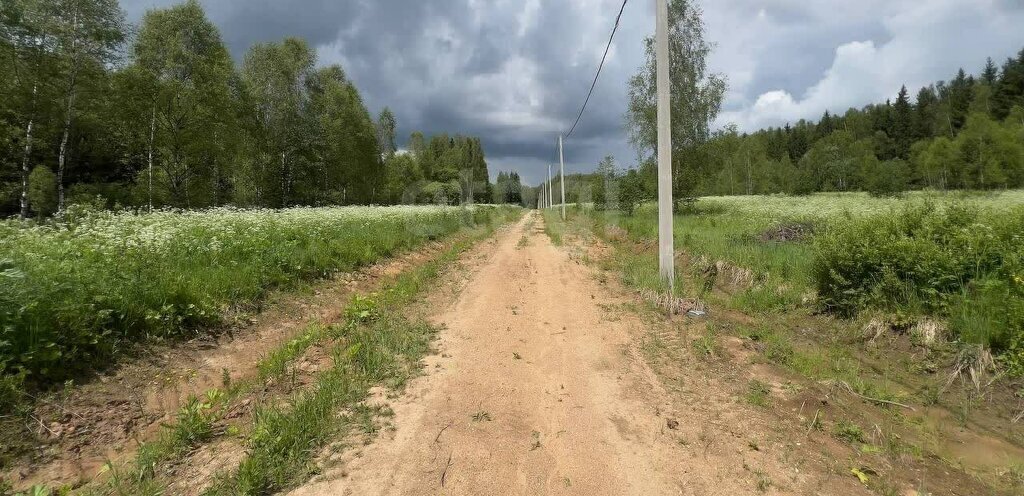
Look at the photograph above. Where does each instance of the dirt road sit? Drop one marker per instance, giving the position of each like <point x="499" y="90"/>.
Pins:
<point x="527" y="396"/>
<point x="536" y="389"/>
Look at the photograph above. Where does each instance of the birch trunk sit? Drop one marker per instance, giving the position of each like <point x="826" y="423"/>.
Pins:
<point x="216" y="173"/>
<point x="28" y="154"/>
<point x="285" y="181"/>
<point x="188" y="199"/>
<point x="62" y="157"/>
<point x="750" y="179"/>
<point x="152" y="137"/>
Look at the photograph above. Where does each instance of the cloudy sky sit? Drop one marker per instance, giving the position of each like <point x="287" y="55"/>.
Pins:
<point x="515" y="72"/>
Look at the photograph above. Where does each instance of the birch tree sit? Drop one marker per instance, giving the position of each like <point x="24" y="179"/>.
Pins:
<point x="192" y="108"/>
<point x="87" y="36"/>
<point x="275" y="75"/>
<point x="27" y="54"/>
<point x="696" y="94"/>
<point x="386" y="133"/>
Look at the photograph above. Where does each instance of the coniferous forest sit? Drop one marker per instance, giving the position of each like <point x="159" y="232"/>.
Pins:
<point x="97" y="111"/>
<point x="965" y="133"/>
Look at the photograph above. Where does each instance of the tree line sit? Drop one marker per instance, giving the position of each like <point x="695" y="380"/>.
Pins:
<point x="965" y="133"/>
<point x="440" y="169"/>
<point x="94" y="110"/>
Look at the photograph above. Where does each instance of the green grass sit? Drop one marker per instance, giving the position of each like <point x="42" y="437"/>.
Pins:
<point x="958" y="257"/>
<point x="365" y="315"/>
<point x="723" y="234"/>
<point x="193" y="425"/>
<point x="757" y="393"/>
<point x="75" y="294"/>
<point x="775" y="347"/>
<point x="848" y="431"/>
<point x="554" y="227"/>
<point x="706" y="345"/>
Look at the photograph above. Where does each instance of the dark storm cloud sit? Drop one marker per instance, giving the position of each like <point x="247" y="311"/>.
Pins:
<point x="515" y="72"/>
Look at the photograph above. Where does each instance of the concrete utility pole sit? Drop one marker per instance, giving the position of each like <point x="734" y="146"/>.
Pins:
<point x="666" y="250"/>
<point x="561" y="171"/>
<point x="549" y="186"/>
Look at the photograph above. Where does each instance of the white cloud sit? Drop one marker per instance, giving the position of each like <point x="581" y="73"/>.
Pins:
<point x="927" y="41"/>
<point x="516" y="71"/>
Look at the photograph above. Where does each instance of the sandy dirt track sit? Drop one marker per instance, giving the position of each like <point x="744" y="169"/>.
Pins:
<point x="526" y="397"/>
<point x="532" y="393"/>
<point x="538" y="388"/>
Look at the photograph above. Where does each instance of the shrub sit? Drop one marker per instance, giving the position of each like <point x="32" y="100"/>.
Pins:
<point x="631" y="192"/>
<point x="960" y="262"/>
<point x="42" y="191"/>
<point x="888" y="178"/>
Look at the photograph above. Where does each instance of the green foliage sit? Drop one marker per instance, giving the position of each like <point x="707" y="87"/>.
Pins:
<point x="773" y="346"/>
<point x="508" y="188"/>
<point x="887" y="178"/>
<point x="757" y="393"/>
<point x="74" y="293"/>
<point x="181" y="124"/>
<point x="386" y="125"/>
<point x="182" y="100"/>
<point x="42" y="191"/>
<point x="696" y="97"/>
<point x="706" y="345"/>
<point x="605" y="185"/>
<point x="194" y="422"/>
<point x="848" y="431"/>
<point x="959" y="261"/>
<point x="962" y="134"/>
<point x="836" y="162"/>
<point x="632" y="192"/>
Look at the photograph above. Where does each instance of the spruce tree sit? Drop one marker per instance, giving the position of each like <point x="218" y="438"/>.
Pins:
<point x="903" y="125"/>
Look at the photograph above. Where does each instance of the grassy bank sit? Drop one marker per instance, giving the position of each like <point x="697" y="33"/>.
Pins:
<point x="956" y="257"/>
<point x="75" y="293"/>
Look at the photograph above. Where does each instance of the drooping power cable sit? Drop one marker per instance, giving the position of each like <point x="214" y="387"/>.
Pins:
<point x="599" y="67"/>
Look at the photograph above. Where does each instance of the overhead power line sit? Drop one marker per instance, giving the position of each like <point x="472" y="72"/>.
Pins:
<point x="599" y="67"/>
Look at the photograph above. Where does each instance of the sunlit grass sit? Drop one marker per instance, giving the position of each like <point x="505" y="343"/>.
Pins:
<point x="374" y="343"/>
<point x="927" y="269"/>
<point x="74" y="293"/>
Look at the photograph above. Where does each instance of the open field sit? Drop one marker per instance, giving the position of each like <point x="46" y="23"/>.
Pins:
<point x="953" y="256"/>
<point x="76" y="293"/>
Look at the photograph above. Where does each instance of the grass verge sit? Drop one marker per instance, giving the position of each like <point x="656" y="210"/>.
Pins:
<point x="374" y="344"/>
<point x="382" y="346"/>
